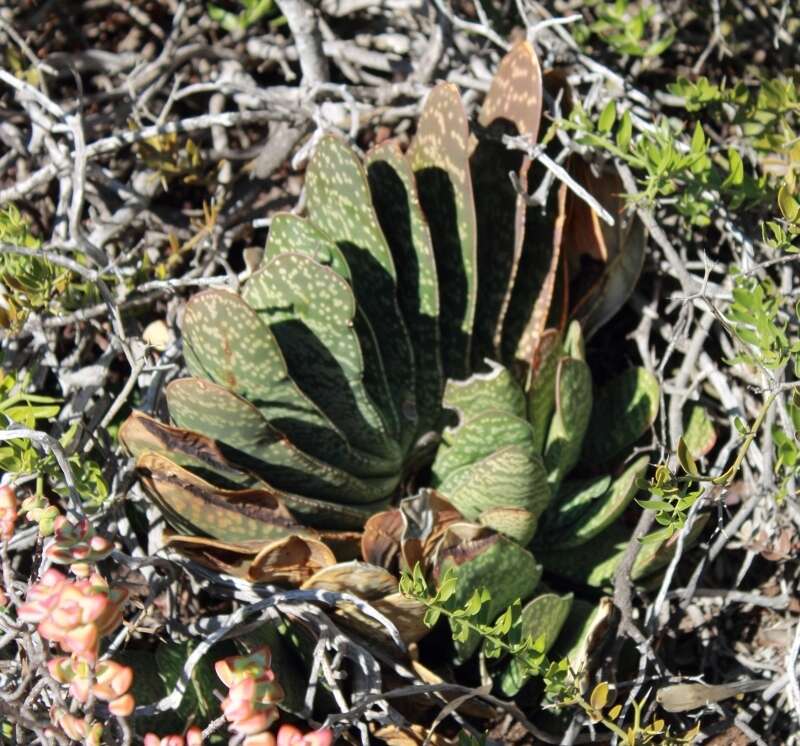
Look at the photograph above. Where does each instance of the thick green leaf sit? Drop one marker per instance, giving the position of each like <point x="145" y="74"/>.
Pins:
<point x="601" y="512"/>
<point x="440" y="160"/>
<point x="227" y="344"/>
<point x="594" y="564"/>
<point x="574" y="345"/>
<point x="290" y="233"/>
<point x="571" y="418"/>
<point x="599" y="557"/>
<point x="496" y="390"/>
<point x="574" y="500"/>
<point x="512" y="106"/>
<point x="512" y="477"/>
<point x="193" y="451"/>
<point x="622" y="412"/>
<point x="610" y="506"/>
<point x="394" y="194"/>
<point x="478" y="438"/>
<point x="543" y="616"/>
<point x="542" y="388"/>
<point x="251" y="443"/>
<point x="483" y="559"/>
<point x="516" y="523"/>
<point x="339" y="204"/>
<point x="310" y="310"/>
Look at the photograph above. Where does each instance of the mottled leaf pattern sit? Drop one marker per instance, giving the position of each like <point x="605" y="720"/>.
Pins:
<point x="573" y="409"/>
<point x="226" y="343"/>
<point x="541" y="389"/>
<point x="250" y="442"/>
<point x="292" y="234"/>
<point x="516" y="523"/>
<point x="482" y="558"/>
<point x="373" y="336"/>
<point x="440" y="158"/>
<point x="497" y="390"/>
<point x="478" y="438"/>
<point x="394" y="194"/>
<point x="512" y="106"/>
<point x="310" y="310"/>
<point x="512" y="477"/>
<point x="339" y="204"/>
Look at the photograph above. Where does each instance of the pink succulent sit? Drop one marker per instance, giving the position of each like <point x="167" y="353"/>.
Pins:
<point x="8" y="512"/>
<point x="77" y="545"/>
<point x="112" y="681"/>
<point x="252" y="695"/>
<point x="78" y="729"/>
<point x="75" y="614"/>
<point x="290" y="735"/>
<point x="192" y="737"/>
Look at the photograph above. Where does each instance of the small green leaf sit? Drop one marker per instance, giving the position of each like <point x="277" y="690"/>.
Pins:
<point x="736" y="169"/>
<point x="599" y="696"/>
<point x="698" y="140"/>
<point x="607" y="118"/>
<point x="788" y="205"/>
<point x="625" y="131"/>
<point x="686" y="460"/>
<point x="431" y="617"/>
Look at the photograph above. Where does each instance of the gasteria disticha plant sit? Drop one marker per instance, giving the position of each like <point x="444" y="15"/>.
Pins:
<point x="404" y="378"/>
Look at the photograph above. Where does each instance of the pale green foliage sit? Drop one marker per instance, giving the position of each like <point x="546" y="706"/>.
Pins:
<point x="26" y="283"/>
<point x="668" y="167"/>
<point x="504" y="638"/>
<point x="19" y="457"/>
<point x="628" y="28"/>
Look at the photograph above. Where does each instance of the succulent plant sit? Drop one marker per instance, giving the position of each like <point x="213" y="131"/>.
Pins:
<point x="421" y="319"/>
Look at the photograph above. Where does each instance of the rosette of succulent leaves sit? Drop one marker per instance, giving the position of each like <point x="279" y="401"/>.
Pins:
<point x="404" y="380"/>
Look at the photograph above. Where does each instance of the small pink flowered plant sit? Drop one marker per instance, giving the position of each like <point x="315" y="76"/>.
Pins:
<point x="77" y="545"/>
<point x="75" y="614"/>
<point x="112" y="681"/>
<point x="252" y="694"/>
